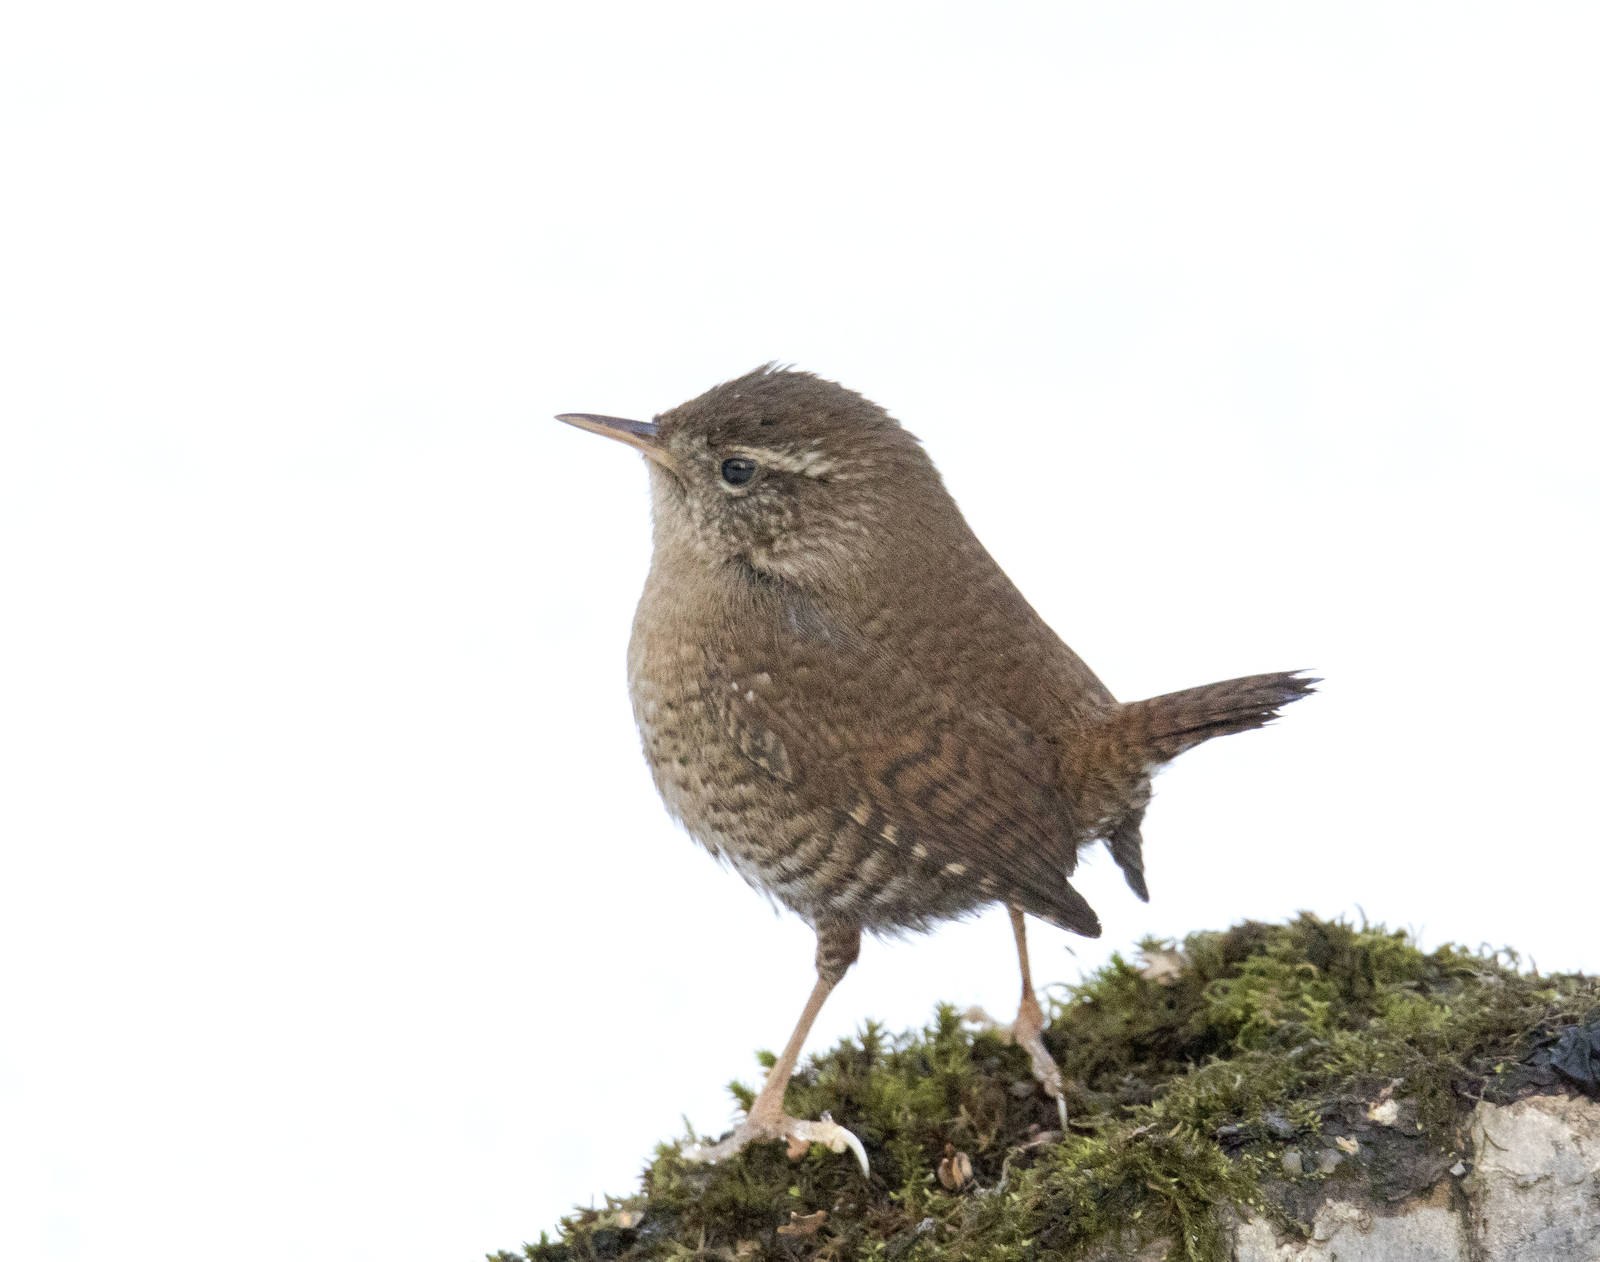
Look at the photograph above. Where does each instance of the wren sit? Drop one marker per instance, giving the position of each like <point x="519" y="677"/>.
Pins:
<point x="843" y="696"/>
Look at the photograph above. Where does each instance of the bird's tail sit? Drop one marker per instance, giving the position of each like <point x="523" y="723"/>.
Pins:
<point x="1160" y="728"/>
<point x="1133" y="740"/>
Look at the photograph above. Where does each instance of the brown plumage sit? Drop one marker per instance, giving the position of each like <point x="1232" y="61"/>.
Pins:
<point x="842" y="695"/>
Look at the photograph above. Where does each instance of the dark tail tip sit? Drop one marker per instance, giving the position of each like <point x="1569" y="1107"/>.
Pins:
<point x="1295" y="684"/>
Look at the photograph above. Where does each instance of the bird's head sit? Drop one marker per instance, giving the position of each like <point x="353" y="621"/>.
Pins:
<point x="782" y="471"/>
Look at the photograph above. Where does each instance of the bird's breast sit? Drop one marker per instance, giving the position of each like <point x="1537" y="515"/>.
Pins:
<point x="725" y="801"/>
<point x="789" y="830"/>
<point x="731" y="805"/>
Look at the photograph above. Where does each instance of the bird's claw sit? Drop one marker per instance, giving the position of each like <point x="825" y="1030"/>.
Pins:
<point x="799" y="1134"/>
<point x="831" y="1136"/>
<point x="1027" y="1032"/>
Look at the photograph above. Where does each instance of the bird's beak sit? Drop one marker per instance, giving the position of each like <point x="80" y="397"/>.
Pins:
<point x="640" y="434"/>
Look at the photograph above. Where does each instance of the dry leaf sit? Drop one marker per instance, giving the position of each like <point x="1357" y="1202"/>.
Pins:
<point x="803" y="1224"/>
<point x="1163" y="967"/>
<point x="955" y="1169"/>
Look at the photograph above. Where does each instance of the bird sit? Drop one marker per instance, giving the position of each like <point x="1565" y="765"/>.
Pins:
<point x="842" y="696"/>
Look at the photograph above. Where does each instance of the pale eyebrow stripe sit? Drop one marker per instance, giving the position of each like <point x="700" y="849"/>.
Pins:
<point x="813" y="464"/>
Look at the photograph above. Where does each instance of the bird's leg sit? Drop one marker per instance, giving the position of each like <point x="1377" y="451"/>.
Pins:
<point x="837" y="949"/>
<point x="1029" y="1027"/>
<point x="1027" y="1031"/>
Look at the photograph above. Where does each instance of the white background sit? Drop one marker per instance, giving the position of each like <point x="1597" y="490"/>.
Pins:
<point x="338" y="916"/>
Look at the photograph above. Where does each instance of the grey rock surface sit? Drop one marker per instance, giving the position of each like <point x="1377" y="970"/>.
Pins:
<point x="1533" y="1195"/>
<point x="1535" y="1185"/>
<point x="1424" y="1230"/>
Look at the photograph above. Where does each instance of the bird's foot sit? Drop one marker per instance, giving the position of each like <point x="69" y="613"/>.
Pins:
<point x="1027" y="1032"/>
<point x="797" y="1133"/>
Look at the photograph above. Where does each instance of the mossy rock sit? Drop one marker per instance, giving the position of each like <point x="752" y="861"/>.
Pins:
<point x="1238" y="1073"/>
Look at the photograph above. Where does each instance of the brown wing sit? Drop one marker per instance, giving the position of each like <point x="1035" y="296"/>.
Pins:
<point x="950" y="783"/>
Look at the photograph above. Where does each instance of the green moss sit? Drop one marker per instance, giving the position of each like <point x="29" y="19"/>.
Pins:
<point x="1185" y="1094"/>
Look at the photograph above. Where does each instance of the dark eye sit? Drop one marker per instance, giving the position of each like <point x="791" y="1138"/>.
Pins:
<point x="736" y="470"/>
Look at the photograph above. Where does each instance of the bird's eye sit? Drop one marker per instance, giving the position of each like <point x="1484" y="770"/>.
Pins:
<point x="736" y="470"/>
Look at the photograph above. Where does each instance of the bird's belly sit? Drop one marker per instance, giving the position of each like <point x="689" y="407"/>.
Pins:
<point x="818" y="860"/>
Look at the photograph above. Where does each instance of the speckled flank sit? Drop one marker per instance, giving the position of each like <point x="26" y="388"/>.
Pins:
<point x="822" y="862"/>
